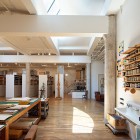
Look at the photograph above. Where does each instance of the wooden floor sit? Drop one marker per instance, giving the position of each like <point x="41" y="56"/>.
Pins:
<point x="75" y="119"/>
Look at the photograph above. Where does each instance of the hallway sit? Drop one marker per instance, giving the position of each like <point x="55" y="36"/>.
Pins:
<point x="75" y="119"/>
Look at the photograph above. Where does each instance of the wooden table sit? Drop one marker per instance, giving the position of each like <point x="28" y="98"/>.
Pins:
<point x="19" y="114"/>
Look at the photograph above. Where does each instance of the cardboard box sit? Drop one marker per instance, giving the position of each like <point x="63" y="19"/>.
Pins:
<point x="116" y="121"/>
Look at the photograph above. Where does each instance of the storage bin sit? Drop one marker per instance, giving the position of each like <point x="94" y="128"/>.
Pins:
<point x="116" y="121"/>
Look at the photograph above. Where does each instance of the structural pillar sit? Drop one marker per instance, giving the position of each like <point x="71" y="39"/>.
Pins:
<point x="28" y="79"/>
<point x="88" y="85"/>
<point x="110" y="67"/>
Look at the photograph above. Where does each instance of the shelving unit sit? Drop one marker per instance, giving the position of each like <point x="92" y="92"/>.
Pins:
<point x="44" y="108"/>
<point x="34" y="85"/>
<point x="49" y="85"/>
<point x="17" y="80"/>
<point x="2" y="85"/>
<point x="132" y="67"/>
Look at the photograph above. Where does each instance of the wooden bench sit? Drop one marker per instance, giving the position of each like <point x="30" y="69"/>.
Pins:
<point x="31" y="133"/>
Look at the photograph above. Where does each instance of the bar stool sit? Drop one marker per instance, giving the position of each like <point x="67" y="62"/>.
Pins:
<point x="86" y="95"/>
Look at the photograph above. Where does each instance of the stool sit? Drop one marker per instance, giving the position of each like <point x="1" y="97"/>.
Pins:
<point x="85" y="96"/>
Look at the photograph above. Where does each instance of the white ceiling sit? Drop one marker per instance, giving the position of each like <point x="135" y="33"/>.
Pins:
<point x="42" y="45"/>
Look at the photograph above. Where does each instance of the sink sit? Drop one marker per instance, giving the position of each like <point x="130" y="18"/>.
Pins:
<point x="131" y="113"/>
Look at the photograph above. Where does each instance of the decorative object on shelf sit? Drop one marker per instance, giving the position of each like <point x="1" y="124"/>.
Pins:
<point x="121" y="48"/>
<point x="42" y="91"/>
<point x="120" y="68"/>
<point x="132" y="90"/>
<point x="126" y="89"/>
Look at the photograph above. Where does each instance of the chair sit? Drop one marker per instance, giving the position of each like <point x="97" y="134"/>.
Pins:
<point x="85" y="96"/>
<point x="99" y="96"/>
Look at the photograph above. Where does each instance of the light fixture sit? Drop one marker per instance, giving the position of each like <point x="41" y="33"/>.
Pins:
<point x="49" y="53"/>
<point x="66" y="74"/>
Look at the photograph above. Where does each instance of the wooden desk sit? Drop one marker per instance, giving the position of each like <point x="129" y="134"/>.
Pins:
<point x="19" y="114"/>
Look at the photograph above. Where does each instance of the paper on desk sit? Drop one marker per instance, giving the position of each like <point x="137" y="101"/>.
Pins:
<point x="19" y="99"/>
<point x="1" y="127"/>
<point x="19" y="107"/>
<point x="4" y="116"/>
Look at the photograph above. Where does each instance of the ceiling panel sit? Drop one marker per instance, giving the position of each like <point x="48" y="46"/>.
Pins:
<point x="73" y="41"/>
<point x="31" y="45"/>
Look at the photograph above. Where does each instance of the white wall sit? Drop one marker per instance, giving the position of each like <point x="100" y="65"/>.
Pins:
<point x="128" y="30"/>
<point x="97" y="67"/>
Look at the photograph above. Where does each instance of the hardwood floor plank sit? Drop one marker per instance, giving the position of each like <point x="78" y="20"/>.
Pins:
<point x="75" y="119"/>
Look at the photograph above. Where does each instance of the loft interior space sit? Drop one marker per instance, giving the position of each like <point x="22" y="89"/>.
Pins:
<point x="69" y="69"/>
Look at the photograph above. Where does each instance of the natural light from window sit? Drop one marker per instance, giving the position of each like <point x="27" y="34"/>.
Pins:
<point x="82" y="122"/>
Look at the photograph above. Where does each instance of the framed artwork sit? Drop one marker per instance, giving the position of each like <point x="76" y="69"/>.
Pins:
<point x="120" y="50"/>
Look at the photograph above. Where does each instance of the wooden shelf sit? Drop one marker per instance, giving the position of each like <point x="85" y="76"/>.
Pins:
<point x="131" y="56"/>
<point x="132" y="81"/>
<point x="131" y="62"/>
<point x="131" y="69"/>
<point x="132" y="87"/>
<point x="17" y="80"/>
<point x="34" y="80"/>
<point x="129" y="50"/>
<point x="132" y="75"/>
<point x="2" y="80"/>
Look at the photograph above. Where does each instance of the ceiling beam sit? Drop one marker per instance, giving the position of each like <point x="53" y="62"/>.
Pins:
<point x="33" y="25"/>
<point x="6" y="42"/>
<point x="44" y="59"/>
<point x="91" y="46"/>
<point x="29" y="6"/>
<point x="54" y="44"/>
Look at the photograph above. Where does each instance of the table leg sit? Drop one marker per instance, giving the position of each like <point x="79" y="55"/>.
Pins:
<point x="7" y="132"/>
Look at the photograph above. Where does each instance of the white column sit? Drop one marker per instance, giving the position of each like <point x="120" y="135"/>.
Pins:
<point x="110" y="67"/>
<point x="88" y="74"/>
<point x="28" y="79"/>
